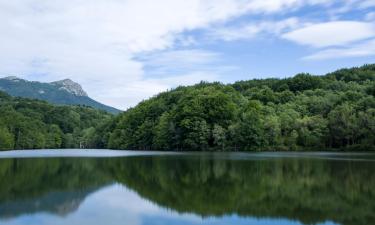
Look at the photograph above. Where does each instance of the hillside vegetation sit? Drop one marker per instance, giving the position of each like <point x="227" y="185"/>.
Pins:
<point x="331" y="112"/>
<point x="305" y="112"/>
<point x="34" y="124"/>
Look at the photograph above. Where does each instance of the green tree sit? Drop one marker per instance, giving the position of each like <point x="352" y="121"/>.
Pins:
<point x="6" y="139"/>
<point x="54" y="137"/>
<point x="219" y="136"/>
<point x="342" y="124"/>
<point x="312" y="132"/>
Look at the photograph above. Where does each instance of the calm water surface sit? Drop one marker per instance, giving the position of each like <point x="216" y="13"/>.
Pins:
<point x="86" y="187"/>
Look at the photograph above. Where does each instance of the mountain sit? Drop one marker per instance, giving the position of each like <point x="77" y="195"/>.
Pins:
<point x="64" y="92"/>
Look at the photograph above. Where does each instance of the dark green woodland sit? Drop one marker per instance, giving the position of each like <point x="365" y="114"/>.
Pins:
<point x="331" y="112"/>
<point x="35" y="124"/>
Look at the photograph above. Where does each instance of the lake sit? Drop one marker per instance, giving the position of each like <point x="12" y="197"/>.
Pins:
<point x="76" y="187"/>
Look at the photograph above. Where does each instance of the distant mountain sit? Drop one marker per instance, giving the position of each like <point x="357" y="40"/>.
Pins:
<point x="64" y="92"/>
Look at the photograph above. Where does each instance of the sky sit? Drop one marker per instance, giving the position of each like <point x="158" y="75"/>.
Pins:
<point x="125" y="51"/>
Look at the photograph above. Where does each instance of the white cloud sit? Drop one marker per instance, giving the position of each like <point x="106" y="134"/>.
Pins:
<point x="180" y="58"/>
<point x="272" y="6"/>
<point x="336" y="33"/>
<point x="135" y="91"/>
<point x="367" y="4"/>
<point x="366" y="48"/>
<point x="96" y="42"/>
<point x="370" y="16"/>
<point x="253" y="29"/>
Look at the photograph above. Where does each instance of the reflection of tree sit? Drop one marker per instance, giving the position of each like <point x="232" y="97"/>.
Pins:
<point x="307" y="190"/>
<point x="310" y="191"/>
<point x="26" y="178"/>
<point x="48" y="185"/>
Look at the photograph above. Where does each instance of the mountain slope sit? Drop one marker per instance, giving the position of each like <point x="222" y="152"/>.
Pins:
<point x="64" y="92"/>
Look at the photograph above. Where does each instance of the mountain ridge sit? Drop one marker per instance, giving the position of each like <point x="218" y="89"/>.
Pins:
<point x="70" y="86"/>
<point x="62" y="92"/>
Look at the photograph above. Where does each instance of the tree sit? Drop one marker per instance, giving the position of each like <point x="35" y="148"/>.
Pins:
<point x="54" y="137"/>
<point x="312" y="132"/>
<point x="196" y="134"/>
<point x="342" y="124"/>
<point x="6" y="139"/>
<point x="219" y="136"/>
<point x="248" y="132"/>
<point x="304" y="81"/>
<point x="165" y="133"/>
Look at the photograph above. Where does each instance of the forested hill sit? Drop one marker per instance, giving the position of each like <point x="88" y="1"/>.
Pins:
<point x="34" y="124"/>
<point x="305" y="112"/>
<point x="331" y="112"/>
<point x="64" y="92"/>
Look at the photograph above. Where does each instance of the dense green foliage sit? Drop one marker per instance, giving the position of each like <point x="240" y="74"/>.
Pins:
<point x="303" y="187"/>
<point x="305" y="112"/>
<point x="34" y="124"/>
<point x="50" y="93"/>
<point x="335" y="111"/>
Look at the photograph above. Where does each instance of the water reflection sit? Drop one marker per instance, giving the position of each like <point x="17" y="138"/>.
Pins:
<point x="187" y="189"/>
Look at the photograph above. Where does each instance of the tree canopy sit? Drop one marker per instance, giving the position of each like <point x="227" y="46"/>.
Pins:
<point x="34" y="124"/>
<point x="304" y="112"/>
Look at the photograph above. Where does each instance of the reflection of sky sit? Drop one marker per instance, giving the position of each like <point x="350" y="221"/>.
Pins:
<point x="116" y="204"/>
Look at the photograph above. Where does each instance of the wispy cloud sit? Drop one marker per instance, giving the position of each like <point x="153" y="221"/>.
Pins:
<point x="370" y="16"/>
<point x="367" y="4"/>
<point x="94" y="42"/>
<point x="336" y="33"/>
<point x="123" y="51"/>
<point x="336" y="39"/>
<point x="183" y="59"/>
<point x="366" y="48"/>
<point x="137" y="90"/>
<point x="251" y="30"/>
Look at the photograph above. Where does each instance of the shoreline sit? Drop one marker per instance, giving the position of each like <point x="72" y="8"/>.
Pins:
<point x="108" y="153"/>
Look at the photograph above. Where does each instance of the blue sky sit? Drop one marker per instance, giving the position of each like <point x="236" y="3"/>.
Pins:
<point x="124" y="51"/>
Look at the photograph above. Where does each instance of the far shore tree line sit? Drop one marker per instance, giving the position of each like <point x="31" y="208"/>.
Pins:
<point x="331" y="112"/>
<point x="35" y="124"/>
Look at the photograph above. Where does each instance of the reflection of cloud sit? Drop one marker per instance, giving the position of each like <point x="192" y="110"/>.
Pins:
<point x="82" y="153"/>
<point x="61" y="203"/>
<point x="116" y="204"/>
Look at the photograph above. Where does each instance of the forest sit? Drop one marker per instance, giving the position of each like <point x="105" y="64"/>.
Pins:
<point x="35" y="124"/>
<point x="335" y="111"/>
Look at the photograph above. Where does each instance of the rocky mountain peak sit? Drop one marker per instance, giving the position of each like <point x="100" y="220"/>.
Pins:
<point x="12" y="78"/>
<point x="70" y="86"/>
